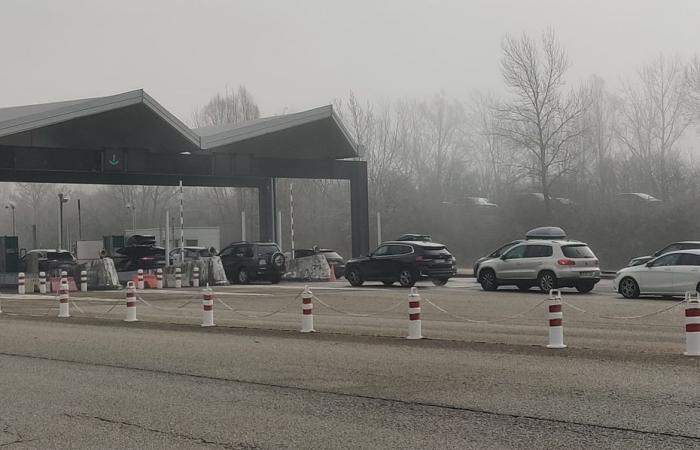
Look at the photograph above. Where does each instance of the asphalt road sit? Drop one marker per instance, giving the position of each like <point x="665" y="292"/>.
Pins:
<point x="94" y="381"/>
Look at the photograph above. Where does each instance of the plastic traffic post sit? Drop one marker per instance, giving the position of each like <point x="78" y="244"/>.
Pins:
<point x="130" y="302"/>
<point x="207" y="308"/>
<point x="159" y="278"/>
<point x="20" y="284"/>
<point x="139" y="279"/>
<point x="414" y="322"/>
<point x="178" y="278"/>
<point x="42" y="282"/>
<point x="63" y="299"/>
<point x="556" y="328"/>
<point x="195" y="276"/>
<point x="83" y="281"/>
<point x="692" y="325"/>
<point x="307" y="311"/>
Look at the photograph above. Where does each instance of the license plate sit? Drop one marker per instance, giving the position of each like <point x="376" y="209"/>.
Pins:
<point x="587" y="274"/>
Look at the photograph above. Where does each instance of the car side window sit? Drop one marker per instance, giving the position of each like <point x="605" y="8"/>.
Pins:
<point x="688" y="259"/>
<point x="516" y="252"/>
<point x="381" y="251"/>
<point x="400" y="249"/>
<point x="538" y="251"/>
<point x="227" y="251"/>
<point x="667" y="260"/>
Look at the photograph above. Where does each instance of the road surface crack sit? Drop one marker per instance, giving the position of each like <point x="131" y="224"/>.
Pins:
<point x="201" y="440"/>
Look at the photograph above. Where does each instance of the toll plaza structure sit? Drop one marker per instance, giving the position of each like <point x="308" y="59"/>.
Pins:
<point x="130" y="139"/>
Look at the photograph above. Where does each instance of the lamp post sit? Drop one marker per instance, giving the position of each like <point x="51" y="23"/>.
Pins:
<point x="12" y="206"/>
<point x="131" y="207"/>
<point x="62" y="198"/>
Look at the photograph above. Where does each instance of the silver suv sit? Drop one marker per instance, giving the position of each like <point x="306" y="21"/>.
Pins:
<point x="547" y="264"/>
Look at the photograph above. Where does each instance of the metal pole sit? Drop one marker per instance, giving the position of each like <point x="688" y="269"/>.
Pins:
<point x="14" y="233"/>
<point x="182" y="226"/>
<point x="279" y="228"/>
<point x="291" y="214"/>
<point x="133" y="220"/>
<point x="80" y="223"/>
<point x="379" y="228"/>
<point x="243" y="225"/>
<point x="167" y="237"/>
<point x="60" y="221"/>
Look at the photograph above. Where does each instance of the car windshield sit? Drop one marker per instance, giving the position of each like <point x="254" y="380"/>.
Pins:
<point x="577" y="251"/>
<point x="332" y="255"/>
<point x="436" y="251"/>
<point x="268" y="249"/>
<point x="59" y="256"/>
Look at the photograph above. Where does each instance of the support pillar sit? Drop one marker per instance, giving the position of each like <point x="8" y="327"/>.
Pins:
<point x="266" y="209"/>
<point x="359" y="209"/>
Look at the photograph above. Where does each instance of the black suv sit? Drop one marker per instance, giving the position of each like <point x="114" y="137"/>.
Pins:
<point x="246" y="261"/>
<point x="403" y="261"/>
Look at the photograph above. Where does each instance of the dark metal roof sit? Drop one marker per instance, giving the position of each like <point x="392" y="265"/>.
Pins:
<point x="316" y="133"/>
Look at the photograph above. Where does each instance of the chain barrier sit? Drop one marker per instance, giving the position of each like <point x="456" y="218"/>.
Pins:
<point x="642" y="316"/>
<point x="250" y="316"/>
<point x="191" y="300"/>
<point x="358" y="314"/>
<point x="520" y="314"/>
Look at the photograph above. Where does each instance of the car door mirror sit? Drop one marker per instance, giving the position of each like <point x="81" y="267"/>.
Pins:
<point x="504" y="257"/>
<point x="649" y="264"/>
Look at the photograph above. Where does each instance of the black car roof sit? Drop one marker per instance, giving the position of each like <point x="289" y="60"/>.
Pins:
<point x="418" y="243"/>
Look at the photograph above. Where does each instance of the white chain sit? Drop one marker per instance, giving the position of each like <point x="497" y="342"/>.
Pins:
<point x="483" y="321"/>
<point x="391" y="308"/>
<point x="642" y="316"/>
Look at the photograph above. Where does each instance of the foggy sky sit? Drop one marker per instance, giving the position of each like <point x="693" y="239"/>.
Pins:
<point x="296" y="55"/>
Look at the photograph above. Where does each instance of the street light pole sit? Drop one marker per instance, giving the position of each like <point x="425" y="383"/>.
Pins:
<point x="132" y="208"/>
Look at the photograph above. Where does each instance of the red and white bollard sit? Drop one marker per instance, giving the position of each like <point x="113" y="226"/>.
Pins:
<point x="178" y="278"/>
<point x="130" y="302"/>
<point x="556" y="328"/>
<point x="692" y="325"/>
<point x="195" y="276"/>
<point x="139" y="279"/>
<point x="307" y="311"/>
<point x="64" y="280"/>
<point x="207" y="308"/>
<point x="63" y="299"/>
<point x="414" y="323"/>
<point x="21" y="289"/>
<point x="159" y="279"/>
<point x="83" y="281"/>
<point x="42" y="282"/>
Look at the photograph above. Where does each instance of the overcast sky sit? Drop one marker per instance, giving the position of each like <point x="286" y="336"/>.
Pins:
<point x="301" y="54"/>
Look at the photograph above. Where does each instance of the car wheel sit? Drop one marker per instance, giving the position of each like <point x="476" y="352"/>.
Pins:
<point x="440" y="281"/>
<point x="388" y="283"/>
<point x="354" y="277"/>
<point x="584" y="287"/>
<point x="628" y="288"/>
<point x="242" y="276"/>
<point x="276" y="279"/>
<point x="406" y="277"/>
<point x="524" y="287"/>
<point x="487" y="279"/>
<point x="547" y="281"/>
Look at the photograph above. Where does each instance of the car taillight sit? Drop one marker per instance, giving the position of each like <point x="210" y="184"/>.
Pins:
<point x="262" y="262"/>
<point x="422" y="259"/>
<point x="566" y="262"/>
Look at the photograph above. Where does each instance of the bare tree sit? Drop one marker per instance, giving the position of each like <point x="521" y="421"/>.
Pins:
<point x="540" y="120"/>
<point x="654" y="117"/>
<point x="693" y="82"/>
<point x="230" y="107"/>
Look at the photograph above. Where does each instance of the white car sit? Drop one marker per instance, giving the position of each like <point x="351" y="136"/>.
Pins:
<point x="674" y="273"/>
<point x="547" y="264"/>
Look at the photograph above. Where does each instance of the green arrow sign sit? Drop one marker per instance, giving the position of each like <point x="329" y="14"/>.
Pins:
<point x="114" y="161"/>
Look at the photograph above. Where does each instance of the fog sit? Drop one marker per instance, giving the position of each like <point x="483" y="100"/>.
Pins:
<point x="434" y="93"/>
